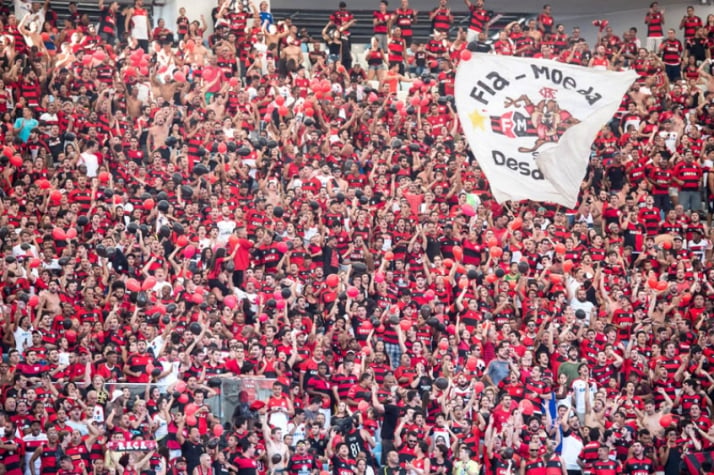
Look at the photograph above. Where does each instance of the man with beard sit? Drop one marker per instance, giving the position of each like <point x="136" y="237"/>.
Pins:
<point x="50" y="299"/>
<point x="49" y="452"/>
<point x="554" y="464"/>
<point x="572" y="442"/>
<point x="638" y="464"/>
<point x="301" y="462"/>
<point x="135" y="368"/>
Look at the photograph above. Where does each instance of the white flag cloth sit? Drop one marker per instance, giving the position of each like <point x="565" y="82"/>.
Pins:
<point x="531" y="122"/>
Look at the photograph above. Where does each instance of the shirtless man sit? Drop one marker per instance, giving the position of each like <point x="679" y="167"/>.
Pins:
<point x="649" y="418"/>
<point x="160" y="130"/>
<point x="133" y="103"/>
<point x="292" y="55"/>
<point x="274" y="443"/>
<point x="50" y="300"/>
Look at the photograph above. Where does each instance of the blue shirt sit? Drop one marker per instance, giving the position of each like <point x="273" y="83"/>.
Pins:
<point x="266" y="17"/>
<point x="26" y="126"/>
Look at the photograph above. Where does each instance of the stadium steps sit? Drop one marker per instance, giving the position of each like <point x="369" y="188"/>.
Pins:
<point x="315" y="20"/>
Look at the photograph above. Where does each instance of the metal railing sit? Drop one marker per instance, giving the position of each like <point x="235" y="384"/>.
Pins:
<point x="234" y="392"/>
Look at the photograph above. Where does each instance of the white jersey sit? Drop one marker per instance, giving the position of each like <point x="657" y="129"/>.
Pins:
<point x="140" y="24"/>
<point x="31" y="443"/>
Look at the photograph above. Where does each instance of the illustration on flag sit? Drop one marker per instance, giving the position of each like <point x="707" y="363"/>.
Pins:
<point x="531" y="122"/>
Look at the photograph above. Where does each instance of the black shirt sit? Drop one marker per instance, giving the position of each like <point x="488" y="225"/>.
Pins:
<point x="389" y="422"/>
<point x="193" y="453"/>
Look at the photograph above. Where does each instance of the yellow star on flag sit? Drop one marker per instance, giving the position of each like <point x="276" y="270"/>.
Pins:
<point x="477" y="120"/>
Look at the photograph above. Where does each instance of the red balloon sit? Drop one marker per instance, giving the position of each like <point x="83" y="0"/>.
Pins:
<point x="181" y="241"/>
<point x="179" y="76"/>
<point x="332" y="280"/>
<point x="388" y="256"/>
<point x="379" y="277"/>
<point x="465" y="55"/>
<point x="463" y="282"/>
<point x="189" y="252"/>
<point x="667" y="244"/>
<point x="217" y="430"/>
<point x="662" y="285"/>
<point x="471" y="363"/>
<point x="352" y="292"/>
<point x="429" y="295"/>
<point x="560" y="248"/>
<point x="414" y="101"/>
<point x="103" y="177"/>
<point x="652" y="282"/>
<point x="191" y="420"/>
<point x="34" y="300"/>
<point x="283" y="111"/>
<point x="148" y="204"/>
<point x="230" y="301"/>
<point x="458" y="252"/>
<point x="448" y="263"/>
<point x="233" y="82"/>
<point x="443" y="345"/>
<point x="279" y="100"/>
<point x="143" y="70"/>
<point x="222" y="148"/>
<point x="190" y="409"/>
<point x="133" y="285"/>
<point x="148" y="284"/>
<point x="527" y="407"/>
<point x="280" y="304"/>
<point x="517" y="223"/>
<point x="183" y="398"/>
<point x="666" y="420"/>
<point x="71" y="233"/>
<point x="43" y="184"/>
<point x="309" y="112"/>
<point x="58" y="234"/>
<point x="496" y="252"/>
<point x="468" y="210"/>
<point x="56" y="195"/>
<point x="180" y="386"/>
<point x="35" y="263"/>
<point x="478" y="387"/>
<point x="556" y="278"/>
<point x="491" y="278"/>
<point x="567" y="266"/>
<point x="16" y="161"/>
<point x="282" y="247"/>
<point x="493" y="242"/>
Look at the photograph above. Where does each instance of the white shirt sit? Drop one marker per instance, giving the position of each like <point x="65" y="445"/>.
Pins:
<point x="578" y="386"/>
<point x="571" y="451"/>
<point x="225" y="229"/>
<point x="28" y="455"/>
<point x="22" y="338"/>
<point x="91" y="161"/>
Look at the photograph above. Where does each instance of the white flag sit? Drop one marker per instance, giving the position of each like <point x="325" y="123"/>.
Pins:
<point x="531" y="122"/>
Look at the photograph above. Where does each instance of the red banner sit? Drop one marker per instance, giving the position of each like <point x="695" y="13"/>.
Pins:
<point x="132" y="445"/>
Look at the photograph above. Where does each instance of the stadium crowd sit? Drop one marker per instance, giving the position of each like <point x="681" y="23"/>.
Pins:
<point x="180" y="207"/>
